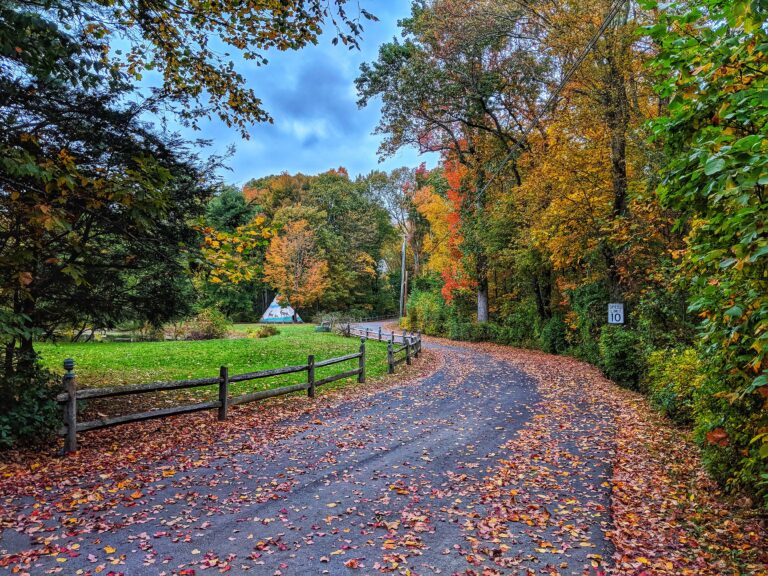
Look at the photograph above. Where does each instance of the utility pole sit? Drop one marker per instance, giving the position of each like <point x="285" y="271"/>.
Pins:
<point x="403" y="286"/>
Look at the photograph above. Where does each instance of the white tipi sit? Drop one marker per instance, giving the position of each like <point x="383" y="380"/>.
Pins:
<point x="277" y="314"/>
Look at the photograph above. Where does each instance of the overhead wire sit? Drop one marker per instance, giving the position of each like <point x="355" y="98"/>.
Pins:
<point x="553" y="97"/>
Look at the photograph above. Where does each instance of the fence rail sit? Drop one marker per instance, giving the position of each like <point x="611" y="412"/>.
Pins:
<point x="411" y="343"/>
<point x="70" y="398"/>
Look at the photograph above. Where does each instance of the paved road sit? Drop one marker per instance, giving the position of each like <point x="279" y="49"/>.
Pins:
<point x="419" y="477"/>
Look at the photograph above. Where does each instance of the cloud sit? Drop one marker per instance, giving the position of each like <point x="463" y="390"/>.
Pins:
<point x="311" y="96"/>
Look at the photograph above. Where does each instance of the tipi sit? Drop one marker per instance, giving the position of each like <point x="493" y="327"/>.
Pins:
<point x="277" y="314"/>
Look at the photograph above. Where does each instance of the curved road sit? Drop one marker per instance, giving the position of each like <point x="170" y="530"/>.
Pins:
<point x="416" y="479"/>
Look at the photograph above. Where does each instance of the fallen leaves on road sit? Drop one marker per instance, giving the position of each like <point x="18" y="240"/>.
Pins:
<point x="669" y="518"/>
<point x="555" y="473"/>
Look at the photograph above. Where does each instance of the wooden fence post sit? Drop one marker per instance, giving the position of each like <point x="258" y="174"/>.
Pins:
<point x="390" y="358"/>
<point x="223" y="393"/>
<point x="379" y="333"/>
<point x="311" y="375"/>
<point x="70" y="409"/>
<point x="361" y="376"/>
<point x="366" y="333"/>
<point x="408" y="351"/>
<point x="405" y="335"/>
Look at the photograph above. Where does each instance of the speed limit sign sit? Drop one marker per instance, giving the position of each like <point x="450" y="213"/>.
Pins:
<point x="615" y="313"/>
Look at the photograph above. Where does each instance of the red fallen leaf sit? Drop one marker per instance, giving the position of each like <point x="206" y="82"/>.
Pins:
<point x="718" y="436"/>
<point x="352" y="563"/>
<point x="763" y="391"/>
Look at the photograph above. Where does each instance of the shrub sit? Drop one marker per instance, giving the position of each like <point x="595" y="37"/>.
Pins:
<point x="209" y="324"/>
<point x="729" y="427"/>
<point x="458" y="330"/>
<point x="519" y="324"/>
<point x="621" y="356"/>
<point x="33" y="414"/>
<point x="673" y="380"/>
<point x="264" y="332"/>
<point x="585" y="319"/>
<point x="150" y="333"/>
<point x="427" y="312"/>
<point x="552" y="337"/>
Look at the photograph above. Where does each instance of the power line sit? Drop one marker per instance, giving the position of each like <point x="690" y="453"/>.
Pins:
<point x="552" y="100"/>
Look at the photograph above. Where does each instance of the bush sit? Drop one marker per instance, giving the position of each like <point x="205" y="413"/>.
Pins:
<point x="264" y="332"/>
<point x="519" y="324"/>
<point x="673" y="381"/>
<point x="553" y="336"/>
<point x="150" y="333"/>
<point x="621" y="356"/>
<point x="458" y="330"/>
<point x="728" y="427"/>
<point x="209" y="324"/>
<point x="427" y="312"/>
<point x="586" y="319"/>
<point x="33" y="414"/>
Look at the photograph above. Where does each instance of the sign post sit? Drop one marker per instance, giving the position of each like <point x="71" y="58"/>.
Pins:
<point x="616" y="313"/>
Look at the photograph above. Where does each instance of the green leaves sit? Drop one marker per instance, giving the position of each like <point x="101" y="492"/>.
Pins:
<point x="713" y="166"/>
<point x="716" y="140"/>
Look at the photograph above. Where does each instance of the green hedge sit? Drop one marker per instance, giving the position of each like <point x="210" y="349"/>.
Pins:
<point x="621" y="356"/>
<point x="673" y="382"/>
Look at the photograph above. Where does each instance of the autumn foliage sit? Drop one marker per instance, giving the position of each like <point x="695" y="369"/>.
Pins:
<point x="643" y="184"/>
<point x="294" y="266"/>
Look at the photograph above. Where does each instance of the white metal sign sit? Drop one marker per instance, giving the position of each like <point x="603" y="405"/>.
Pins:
<point x="615" y="313"/>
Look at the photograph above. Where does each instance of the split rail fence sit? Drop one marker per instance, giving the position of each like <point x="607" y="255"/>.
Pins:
<point x="410" y="343"/>
<point x="411" y="347"/>
<point x="72" y="395"/>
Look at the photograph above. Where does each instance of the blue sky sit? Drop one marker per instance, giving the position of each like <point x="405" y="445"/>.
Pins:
<point x="311" y="95"/>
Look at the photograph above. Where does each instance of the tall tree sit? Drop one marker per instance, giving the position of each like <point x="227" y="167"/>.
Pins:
<point x="395" y="191"/>
<point x="294" y="266"/>
<point x="93" y="206"/>
<point x="228" y="210"/>
<point x="461" y="83"/>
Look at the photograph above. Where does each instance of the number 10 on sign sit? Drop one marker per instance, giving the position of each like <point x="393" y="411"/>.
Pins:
<point x="615" y="313"/>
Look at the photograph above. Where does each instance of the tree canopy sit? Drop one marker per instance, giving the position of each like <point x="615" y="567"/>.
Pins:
<point x="642" y="185"/>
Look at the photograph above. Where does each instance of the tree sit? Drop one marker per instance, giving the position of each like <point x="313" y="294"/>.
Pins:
<point x="94" y="217"/>
<point x="95" y="206"/>
<point x="178" y="42"/>
<point x="350" y="227"/>
<point x="228" y="210"/>
<point x="294" y="266"/>
<point x="395" y="191"/>
<point x="462" y="84"/>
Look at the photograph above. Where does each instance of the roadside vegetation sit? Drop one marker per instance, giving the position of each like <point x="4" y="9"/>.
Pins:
<point x="643" y="184"/>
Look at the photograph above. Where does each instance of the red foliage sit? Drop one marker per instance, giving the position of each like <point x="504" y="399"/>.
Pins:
<point x="455" y="277"/>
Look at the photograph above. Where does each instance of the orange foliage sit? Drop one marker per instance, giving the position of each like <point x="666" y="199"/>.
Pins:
<point x="293" y="266"/>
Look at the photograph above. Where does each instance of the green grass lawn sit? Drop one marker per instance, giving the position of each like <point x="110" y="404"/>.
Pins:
<point x="115" y="363"/>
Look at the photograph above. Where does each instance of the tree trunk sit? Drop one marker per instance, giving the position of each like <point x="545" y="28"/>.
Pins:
<point x="482" y="292"/>
<point x="480" y="257"/>
<point x="617" y="120"/>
